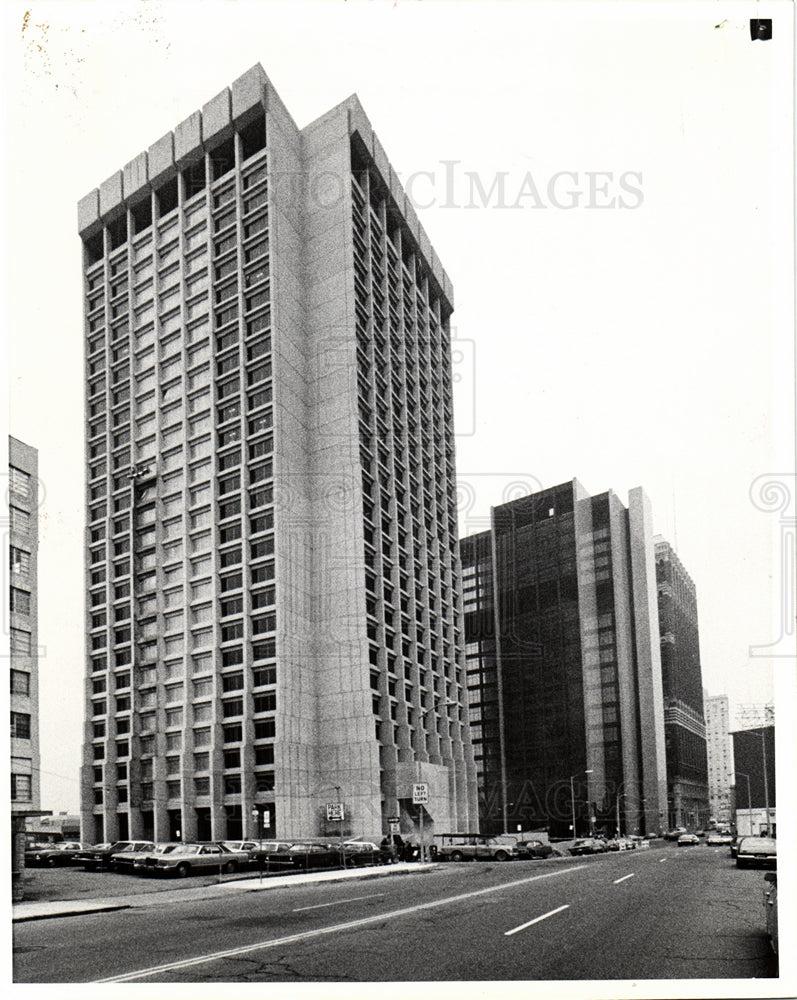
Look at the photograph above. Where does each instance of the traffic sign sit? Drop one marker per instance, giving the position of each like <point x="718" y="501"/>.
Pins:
<point x="394" y="825"/>
<point x="420" y="793"/>
<point x="335" y="812"/>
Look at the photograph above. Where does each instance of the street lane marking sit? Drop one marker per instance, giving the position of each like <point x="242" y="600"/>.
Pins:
<point x="662" y="860"/>
<point x="337" y="902"/>
<point x="617" y="881"/>
<point x="536" y="920"/>
<point x="320" y="931"/>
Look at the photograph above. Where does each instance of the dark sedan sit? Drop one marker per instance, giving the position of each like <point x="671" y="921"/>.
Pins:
<point x="304" y="856"/>
<point x="757" y="851"/>
<point x="52" y="855"/>
<point x="99" y="856"/>
<point x="528" y="849"/>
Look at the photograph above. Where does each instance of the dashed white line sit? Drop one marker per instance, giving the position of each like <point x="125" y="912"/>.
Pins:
<point x="617" y="881"/>
<point x="536" y="920"/>
<point x="662" y="860"/>
<point x="337" y="902"/>
<point x="186" y="963"/>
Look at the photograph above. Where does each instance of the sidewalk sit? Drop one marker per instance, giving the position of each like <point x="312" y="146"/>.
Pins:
<point x="72" y="907"/>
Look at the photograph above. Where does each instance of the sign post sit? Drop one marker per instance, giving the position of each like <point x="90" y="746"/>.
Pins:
<point x="420" y="797"/>
<point x="335" y="814"/>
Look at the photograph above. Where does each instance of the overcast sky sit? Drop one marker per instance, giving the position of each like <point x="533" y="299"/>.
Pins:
<point x="608" y="189"/>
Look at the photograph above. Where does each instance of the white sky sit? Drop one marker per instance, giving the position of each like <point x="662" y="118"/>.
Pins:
<point x="650" y="345"/>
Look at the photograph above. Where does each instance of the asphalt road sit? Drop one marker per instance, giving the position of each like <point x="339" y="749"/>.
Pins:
<point x="673" y="913"/>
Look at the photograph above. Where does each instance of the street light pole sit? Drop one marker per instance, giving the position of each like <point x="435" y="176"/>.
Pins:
<point x="259" y="829"/>
<point x="749" y="805"/>
<point x="573" y="797"/>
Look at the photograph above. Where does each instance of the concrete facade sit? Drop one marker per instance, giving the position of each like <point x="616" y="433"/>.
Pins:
<point x="564" y="674"/>
<point x="23" y="506"/>
<point x="684" y="726"/>
<point x="719" y="757"/>
<point x="274" y="620"/>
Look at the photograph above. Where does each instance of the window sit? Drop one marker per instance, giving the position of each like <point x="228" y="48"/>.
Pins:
<point x="21" y="789"/>
<point x="20" y="641"/>
<point x="20" y="601"/>
<point x="232" y="758"/>
<point x="264" y="729"/>
<point x="19" y="481"/>
<point x="20" y="725"/>
<point x="201" y="737"/>
<point x="20" y="520"/>
<point x="20" y="682"/>
<point x="201" y="761"/>
<point x="232" y="707"/>
<point x="232" y="682"/>
<point x="265" y="702"/>
<point x="264" y="755"/>
<point x="233" y="733"/>
<point x="262" y="676"/>
<point x="202" y="785"/>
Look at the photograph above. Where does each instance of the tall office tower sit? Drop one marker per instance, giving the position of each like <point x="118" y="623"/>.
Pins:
<point x="564" y="676"/>
<point x="274" y="622"/>
<point x="682" y="682"/>
<point x="23" y="508"/>
<point x="718" y="756"/>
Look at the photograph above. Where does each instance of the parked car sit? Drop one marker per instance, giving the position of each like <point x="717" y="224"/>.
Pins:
<point x="626" y="844"/>
<point x="757" y="851"/>
<point x="475" y="847"/>
<point x="99" y="856"/>
<point x="587" y="845"/>
<point x="191" y="859"/>
<point x="533" y="849"/>
<point x="717" y="839"/>
<point x="675" y="833"/>
<point x="53" y="855"/>
<point x="771" y="908"/>
<point x="365" y="852"/>
<point x="305" y="855"/>
<point x="688" y="840"/>
<point x="249" y="847"/>
<point x="125" y="861"/>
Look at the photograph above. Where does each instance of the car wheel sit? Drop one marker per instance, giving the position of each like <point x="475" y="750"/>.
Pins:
<point x="182" y="870"/>
<point x="50" y="862"/>
<point x="457" y="856"/>
<point x="229" y="868"/>
<point x="501" y="856"/>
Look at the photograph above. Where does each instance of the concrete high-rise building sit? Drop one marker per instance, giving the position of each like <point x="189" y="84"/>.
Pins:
<point x="682" y="682"/>
<point x="23" y="511"/>
<point x="719" y="757"/>
<point x="563" y="664"/>
<point x="273" y="612"/>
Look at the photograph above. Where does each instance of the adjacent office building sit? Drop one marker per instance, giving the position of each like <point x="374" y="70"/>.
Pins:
<point x="719" y="757"/>
<point x="754" y="772"/>
<point x="564" y="674"/>
<point x="684" y="726"/>
<point x="273" y="616"/>
<point x="23" y="508"/>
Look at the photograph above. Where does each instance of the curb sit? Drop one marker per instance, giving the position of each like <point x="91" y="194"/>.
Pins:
<point x="106" y="908"/>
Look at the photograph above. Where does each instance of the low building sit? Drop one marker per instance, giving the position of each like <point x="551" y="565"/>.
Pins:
<point x="23" y="506"/>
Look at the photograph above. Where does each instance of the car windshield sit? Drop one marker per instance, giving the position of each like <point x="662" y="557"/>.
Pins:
<point x="99" y="847"/>
<point x="180" y="849"/>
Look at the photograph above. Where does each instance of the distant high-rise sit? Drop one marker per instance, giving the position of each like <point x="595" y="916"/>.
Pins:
<point x="273" y="612"/>
<point x="719" y="759"/>
<point x="563" y="664"/>
<point x="23" y="509"/>
<point x="684" y="726"/>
